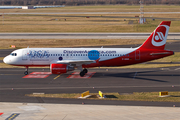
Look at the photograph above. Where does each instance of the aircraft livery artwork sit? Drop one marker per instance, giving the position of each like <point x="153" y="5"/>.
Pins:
<point x="62" y="60"/>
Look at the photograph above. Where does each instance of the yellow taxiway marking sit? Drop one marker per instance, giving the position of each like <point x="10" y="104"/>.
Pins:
<point x="57" y="77"/>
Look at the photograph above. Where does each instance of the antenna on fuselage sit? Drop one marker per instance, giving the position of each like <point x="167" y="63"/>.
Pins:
<point x="102" y="47"/>
<point x="28" y="47"/>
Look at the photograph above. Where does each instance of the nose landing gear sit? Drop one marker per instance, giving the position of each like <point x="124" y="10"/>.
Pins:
<point x="26" y="71"/>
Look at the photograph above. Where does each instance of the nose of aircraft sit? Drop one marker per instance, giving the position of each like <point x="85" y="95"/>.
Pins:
<point x="5" y="60"/>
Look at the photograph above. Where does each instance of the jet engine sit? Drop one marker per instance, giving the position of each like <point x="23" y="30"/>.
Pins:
<point x="60" y="68"/>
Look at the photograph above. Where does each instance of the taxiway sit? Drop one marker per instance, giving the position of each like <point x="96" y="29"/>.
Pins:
<point x="13" y="87"/>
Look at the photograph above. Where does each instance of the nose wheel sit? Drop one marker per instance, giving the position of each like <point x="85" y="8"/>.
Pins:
<point x="26" y="72"/>
<point x="82" y="73"/>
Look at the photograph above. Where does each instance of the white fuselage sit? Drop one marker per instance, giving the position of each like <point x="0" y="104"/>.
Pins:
<point x="45" y="56"/>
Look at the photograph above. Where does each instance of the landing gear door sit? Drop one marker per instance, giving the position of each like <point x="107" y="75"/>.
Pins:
<point x="24" y="55"/>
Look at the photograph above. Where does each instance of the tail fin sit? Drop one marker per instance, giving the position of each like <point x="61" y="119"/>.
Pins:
<point x="157" y="39"/>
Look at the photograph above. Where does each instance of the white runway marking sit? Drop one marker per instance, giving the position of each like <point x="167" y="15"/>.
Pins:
<point x="135" y="75"/>
<point x="177" y="69"/>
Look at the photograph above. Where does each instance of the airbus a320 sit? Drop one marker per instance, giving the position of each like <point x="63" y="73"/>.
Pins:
<point x="62" y="60"/>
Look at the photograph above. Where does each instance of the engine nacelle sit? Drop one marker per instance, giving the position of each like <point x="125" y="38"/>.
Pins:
<point x="60" y="68"/>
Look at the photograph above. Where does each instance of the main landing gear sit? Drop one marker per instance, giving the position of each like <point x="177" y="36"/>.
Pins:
<point x="26" y="71"/>
<point x="83" y="72"/>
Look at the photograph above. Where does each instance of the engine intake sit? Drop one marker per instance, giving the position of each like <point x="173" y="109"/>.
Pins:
<point x="60" y="68"/>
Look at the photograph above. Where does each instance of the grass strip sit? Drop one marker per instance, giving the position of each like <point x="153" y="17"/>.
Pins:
<point x="136" y="96"/>
<point x="88" y="22"/>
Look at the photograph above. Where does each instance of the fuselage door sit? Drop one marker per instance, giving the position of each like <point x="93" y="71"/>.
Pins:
<point x="24" y="55"/>
<point x="137" y="55"/>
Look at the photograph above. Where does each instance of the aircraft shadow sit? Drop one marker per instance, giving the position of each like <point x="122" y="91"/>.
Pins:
<point x="131" y="75"/>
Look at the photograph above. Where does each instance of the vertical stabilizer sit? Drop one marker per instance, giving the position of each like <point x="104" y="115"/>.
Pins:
<point x="157" y="39"/>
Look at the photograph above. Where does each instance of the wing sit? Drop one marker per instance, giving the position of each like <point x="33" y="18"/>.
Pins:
<point x="76" y="62"/>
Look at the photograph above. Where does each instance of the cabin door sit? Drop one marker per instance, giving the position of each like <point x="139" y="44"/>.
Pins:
<point x="137" y="55"/>
<point x="24" y="55"/>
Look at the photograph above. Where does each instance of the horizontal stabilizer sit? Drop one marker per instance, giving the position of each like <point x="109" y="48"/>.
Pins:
<point x="161" y="53"/>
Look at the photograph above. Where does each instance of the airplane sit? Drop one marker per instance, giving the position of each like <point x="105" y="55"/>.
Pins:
<point x="62" y="60"/>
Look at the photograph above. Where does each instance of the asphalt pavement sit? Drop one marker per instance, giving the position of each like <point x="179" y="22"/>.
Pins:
<point x="13" y="87"/>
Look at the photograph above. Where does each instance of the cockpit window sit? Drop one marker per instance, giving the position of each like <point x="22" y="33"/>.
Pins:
<point x="13" y="54"/>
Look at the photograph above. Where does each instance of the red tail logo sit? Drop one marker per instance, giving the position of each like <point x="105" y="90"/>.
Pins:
<point x="160" y="35"/>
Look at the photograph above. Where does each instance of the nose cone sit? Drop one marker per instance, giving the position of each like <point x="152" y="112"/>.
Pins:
<point x="5" y="60"/>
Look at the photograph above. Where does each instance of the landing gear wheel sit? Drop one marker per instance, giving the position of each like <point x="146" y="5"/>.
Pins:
<point x="85" y="70"/>
<point x="26" y="72"/>
<point x="82" y="73"/>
